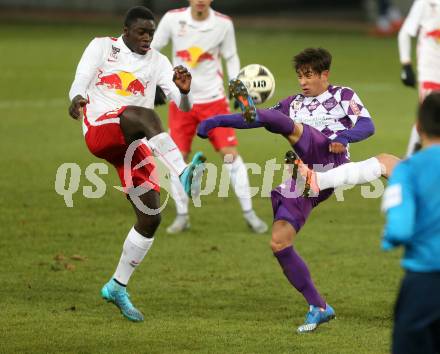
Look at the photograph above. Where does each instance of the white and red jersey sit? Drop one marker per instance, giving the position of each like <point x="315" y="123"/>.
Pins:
<point x="423" y="20"/>
<point x="110" y="76"/>
<point x="199" y="46"/>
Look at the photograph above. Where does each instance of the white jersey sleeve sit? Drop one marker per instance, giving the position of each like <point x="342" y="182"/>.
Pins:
<point x="409" y="29"/>
<point x="162" y="35"/>
<point x="91" y="59"/>
<point x="171" y="91"/>
<point x="165" y="79"/>
<point x="228" y="50"/>
<point x="233" y="66"/>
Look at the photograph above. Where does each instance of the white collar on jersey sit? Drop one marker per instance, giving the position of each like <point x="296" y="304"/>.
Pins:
<point x="120" y="42"/>
<point x="205" y="25"/>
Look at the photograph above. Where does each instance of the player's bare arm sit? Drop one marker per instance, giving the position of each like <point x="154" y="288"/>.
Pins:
<point x="337" y="148"/>
<point x="77" y="103"/>
<point x="182" y="79"/>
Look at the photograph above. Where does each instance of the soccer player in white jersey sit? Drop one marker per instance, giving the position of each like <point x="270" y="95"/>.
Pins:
<point x="423" y="21"/>
<point x="319" y="123"/>
<point x="200" y="38"/>
<point x="114" y="90"/>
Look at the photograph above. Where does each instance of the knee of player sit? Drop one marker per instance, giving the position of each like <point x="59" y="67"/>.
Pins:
<point x="147" y="224"/>
<point x="278" y="243"/>
<point x="229" y="153"/>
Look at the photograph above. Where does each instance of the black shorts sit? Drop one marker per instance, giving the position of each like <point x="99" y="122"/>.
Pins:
<point x="417" y="315"/>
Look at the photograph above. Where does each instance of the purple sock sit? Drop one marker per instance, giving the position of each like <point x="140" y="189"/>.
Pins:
<point x="298" y="275"/>
<point x="275" y="121"/>
<point x="271" y="119"/>
<point x="225" y="120"/>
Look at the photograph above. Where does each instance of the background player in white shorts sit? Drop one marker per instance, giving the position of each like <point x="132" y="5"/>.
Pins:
<point x="200" y="37"/>
<point x="114" y="90"/>
<point x="423" y="21"/>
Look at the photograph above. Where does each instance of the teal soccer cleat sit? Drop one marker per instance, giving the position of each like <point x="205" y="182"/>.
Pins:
<point x="191" y="177"/>
<point x="315" y="317"/>
<point x="238" y="90"/>
<point x="113" y="292"/>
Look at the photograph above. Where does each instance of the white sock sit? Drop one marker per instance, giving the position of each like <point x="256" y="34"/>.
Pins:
<point x="414" y="139"/>
<point x="166" y="150"/>
<point x="178" y="193"/>
<point x="350" y="173"/>
<point x="134" y="250"/>
<point x="240" y="182"/>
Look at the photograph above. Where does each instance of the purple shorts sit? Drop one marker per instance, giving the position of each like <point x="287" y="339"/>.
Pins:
<point x="312" y="148"/>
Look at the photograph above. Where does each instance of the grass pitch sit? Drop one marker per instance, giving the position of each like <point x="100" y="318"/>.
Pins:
<point x="217" y="288"/>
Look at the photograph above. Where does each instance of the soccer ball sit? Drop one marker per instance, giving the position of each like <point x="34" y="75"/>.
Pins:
<point x="259" y="81"/>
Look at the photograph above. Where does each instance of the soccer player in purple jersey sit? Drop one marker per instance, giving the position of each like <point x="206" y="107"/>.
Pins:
<point x="319" y="123"/>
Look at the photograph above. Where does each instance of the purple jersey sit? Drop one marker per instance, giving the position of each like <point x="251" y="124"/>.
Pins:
<point x="332" y="112"/>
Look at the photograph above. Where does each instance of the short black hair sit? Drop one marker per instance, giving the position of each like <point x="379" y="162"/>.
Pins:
<point x="137" y="12"/>
<point x="429" y="115"/>
<point x="315" y="59"/>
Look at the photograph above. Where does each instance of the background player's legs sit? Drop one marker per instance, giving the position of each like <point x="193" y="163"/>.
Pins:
<point x="182" y="129"/>
<point x="137" y="244"/>
<point x="240" y="183"/>
<point x="181" y="222"/>
<point x="414" y="144"/>
<point x="224" y="140"/>
<point x="239" y="180"/>
<point x="179" y="195"/>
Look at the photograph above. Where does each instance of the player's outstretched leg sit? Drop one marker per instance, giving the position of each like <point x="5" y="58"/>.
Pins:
<point x="315" y="317"/>
<point x="351" y="173"/>
<point x="239" y="180"/>
<point x="239" y="91"/>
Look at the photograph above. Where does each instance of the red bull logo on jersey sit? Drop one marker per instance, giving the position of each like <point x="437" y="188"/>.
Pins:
<point x="434" y="34"/>
<point x="123" y="82"/>
<point x="194" y="56"/>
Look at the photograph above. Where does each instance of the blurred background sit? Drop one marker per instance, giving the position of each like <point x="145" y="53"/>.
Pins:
<point x="362" y="11"/>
